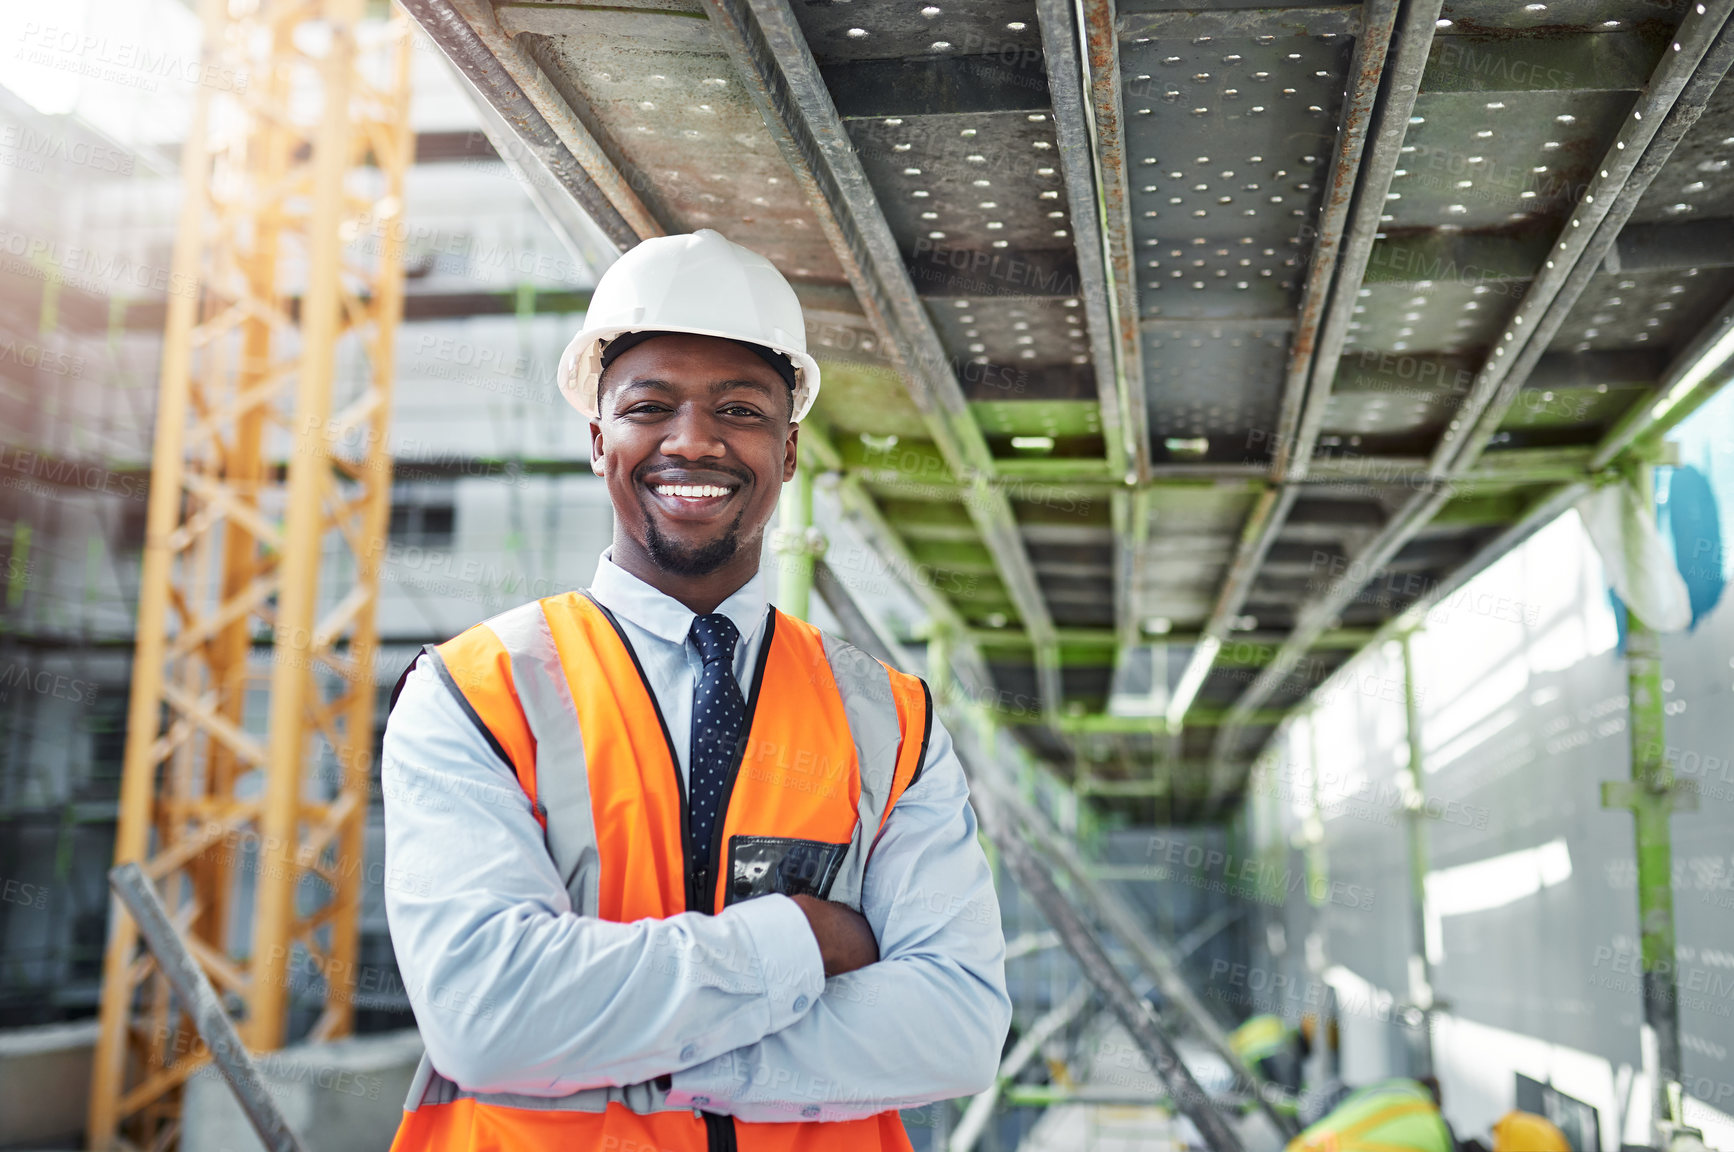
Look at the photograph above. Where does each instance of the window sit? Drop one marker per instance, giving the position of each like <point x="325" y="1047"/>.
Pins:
<point x="423" y="517"/>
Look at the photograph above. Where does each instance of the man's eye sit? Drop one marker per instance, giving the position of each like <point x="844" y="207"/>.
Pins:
<point x="739" y="410"/>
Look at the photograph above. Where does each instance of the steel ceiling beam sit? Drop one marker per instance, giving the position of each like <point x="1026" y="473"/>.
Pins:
<point x="1679" y="67"/>
<point x="1120" y="392"/>
<point x="1100" y="114"/>
<point x="1077" y="167"/>
<point x="1319" y="305"/>
<point x="1678" y="76"/>
<point x="553" y="149"/>
<point x="1335" y="232"/>
<point x="771" y="54"/>
<point x="1689" y="105"/>
<point x="1667" y="408"/>
<point x="1103" y="116"/>
<point x="1317" y="377"/>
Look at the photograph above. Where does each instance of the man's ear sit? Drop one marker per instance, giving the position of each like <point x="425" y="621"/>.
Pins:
<point x="790" y="457"/>
<point x="598" y="460"/>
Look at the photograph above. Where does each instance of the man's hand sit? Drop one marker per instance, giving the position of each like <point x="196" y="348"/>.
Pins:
<point x="845" y="938"/>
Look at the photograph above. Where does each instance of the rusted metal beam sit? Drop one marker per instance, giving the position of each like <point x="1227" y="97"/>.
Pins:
<point x="482" y="68"/>
<point x="1105" y="115"/>
<point x="500" y="38"/>
<point x="1372" y="46"/>
<point x="1376" y="23"/>
<point x="1122" y="426"/>
<point x="1120" y="394"/>
<point x="1311" y="393"/>
<point x="770" y="52"/>
<point x="1688" y="60"/>
<point x="1689" y="105"/>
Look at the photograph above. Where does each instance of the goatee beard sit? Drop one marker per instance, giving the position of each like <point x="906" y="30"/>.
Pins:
<point x="700" y="561"/>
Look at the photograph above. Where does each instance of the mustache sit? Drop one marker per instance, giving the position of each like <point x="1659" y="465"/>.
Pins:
<point x="709" y="474"/>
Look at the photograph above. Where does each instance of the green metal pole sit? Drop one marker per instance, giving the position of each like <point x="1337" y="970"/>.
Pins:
<point x="1652" y="803"/>
<point x="1420" y="971"/>
<point x="1313" y="831"/>
<point x="1653" y="797"/>
<point x="1318" y="890"/>
<point x="798" y="545"/>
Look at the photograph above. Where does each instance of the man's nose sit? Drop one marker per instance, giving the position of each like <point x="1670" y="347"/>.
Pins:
<point x="693" y="434"/>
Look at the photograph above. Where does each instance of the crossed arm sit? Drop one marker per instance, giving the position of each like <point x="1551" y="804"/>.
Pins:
<point x="515" y="992"/>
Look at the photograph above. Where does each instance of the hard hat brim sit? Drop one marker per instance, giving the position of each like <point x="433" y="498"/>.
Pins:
<point x="580" y="371"/>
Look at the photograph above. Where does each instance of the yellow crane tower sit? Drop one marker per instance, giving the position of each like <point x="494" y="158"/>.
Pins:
<point x="270" y="492"/>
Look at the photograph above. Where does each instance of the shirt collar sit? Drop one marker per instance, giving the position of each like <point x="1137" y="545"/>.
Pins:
<point x="662" y="615"/>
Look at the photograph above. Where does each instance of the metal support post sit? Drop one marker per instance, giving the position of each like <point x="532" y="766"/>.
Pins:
<point x="798" y="544"/>
<point x="1653" y="796"/>
<point x="199" y="1001"/>
<point x="1313" y="830"/>
<point x="1134" y="1014"/>
<point x="1415" y="806"/>
<point x="1327" y="1034"/>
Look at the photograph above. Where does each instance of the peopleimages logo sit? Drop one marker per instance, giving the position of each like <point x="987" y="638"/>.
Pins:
<point x="122" y="61"/>
<point x="41" y="146"/>
<point x="1219" y="871"/>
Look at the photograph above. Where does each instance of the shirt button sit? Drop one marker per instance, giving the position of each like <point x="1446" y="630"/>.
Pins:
<point x="701" y="1100"/>
<point x="810" y="1111"/>
<point x="688" y="1052"/>
<point x="800" y="1003"/>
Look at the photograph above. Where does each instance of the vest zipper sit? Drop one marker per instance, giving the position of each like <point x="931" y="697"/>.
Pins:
<point x="719" y="1130"/>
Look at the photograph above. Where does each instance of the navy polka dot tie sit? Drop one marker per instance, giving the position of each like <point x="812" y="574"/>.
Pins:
<point x="719" y="717"/>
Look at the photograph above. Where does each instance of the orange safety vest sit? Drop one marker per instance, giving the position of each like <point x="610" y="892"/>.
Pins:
<point x="834" y="738"/>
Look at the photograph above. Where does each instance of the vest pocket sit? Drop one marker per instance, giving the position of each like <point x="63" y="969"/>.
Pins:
<point x="759" y="865"/>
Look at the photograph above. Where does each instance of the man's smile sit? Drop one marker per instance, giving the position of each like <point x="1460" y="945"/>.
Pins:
<point x="691" y="495"/>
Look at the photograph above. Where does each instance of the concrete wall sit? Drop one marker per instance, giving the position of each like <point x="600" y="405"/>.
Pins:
<point x="45" y="1082"/>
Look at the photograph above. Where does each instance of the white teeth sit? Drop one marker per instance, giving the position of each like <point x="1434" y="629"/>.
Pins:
<point x="691" y="490"/>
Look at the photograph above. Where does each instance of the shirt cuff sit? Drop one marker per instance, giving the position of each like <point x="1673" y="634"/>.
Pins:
<point x="790" y="965"/>
<point x="793" y="975"/>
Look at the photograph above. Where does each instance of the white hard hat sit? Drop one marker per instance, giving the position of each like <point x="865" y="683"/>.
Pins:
<point x="701" y="283"/>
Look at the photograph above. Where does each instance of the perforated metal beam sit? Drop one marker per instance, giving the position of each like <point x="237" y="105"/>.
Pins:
<point x="1619" y="180"/>
<point x="1693" y="94"/>
<point x="772" y="56"/>
<point x="1680" y="76"/>
<point x="1321" y="309"/>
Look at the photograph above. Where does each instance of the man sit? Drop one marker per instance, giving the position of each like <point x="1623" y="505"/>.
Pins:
<point x="668" y="870"/>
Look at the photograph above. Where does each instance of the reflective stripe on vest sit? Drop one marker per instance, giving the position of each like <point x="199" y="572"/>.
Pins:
<point x="834" y="739"/>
